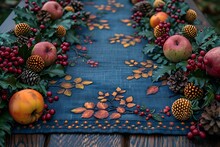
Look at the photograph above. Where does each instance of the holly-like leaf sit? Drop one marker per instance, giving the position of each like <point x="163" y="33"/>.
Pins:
<point x="199" y="78"/>
<point x="71" y="36"/>
<point x="152" y="90"/>
<point x="157" y="117"/>
<point x="66" y="23"/>
<point x="209" y="96"/>
<point x="102" y="105"/>
<point x="87" y="114"/>
<point x="101" y="114"/>
<point x="115" y="115"/>
<point x="24" y="52"/>
<point x="149" y="48"/>
<point x="162" y="70"/>
<point x="203" y="35"/>
<point x="53" y="71"/>
<point x="78" y="110"/>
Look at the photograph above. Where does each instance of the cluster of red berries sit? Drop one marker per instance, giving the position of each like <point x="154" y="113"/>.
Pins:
<point x="93" y="63"/>
<point x="136" y="17"/>
<point x="143" y="112"/>
<point x="65" y="46"/>
<point x="4" y="94"/>
<point x="196" y="62"/>
<point x="174" y="12"/>
<point x="217" y="97"/>
<point x="32" y="6"/>
<point x="10" y="61"/>
<point x="166" y="111"/>
<point x="48" y="113"/>
<point x="64" y="3"/>
<point x="62" y="59"/>
<point x="164" y="26"/>
<point x="196" y="130"/>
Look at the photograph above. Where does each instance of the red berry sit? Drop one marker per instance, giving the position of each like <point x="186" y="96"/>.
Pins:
<point x="195" y="132"/>
<point x="202" y="134"/>
<point x="192" y="128"/>
<point x="42" y="26"/>
<point x="147" y="118"/>
<point x="165" y="110"/>
<point x="190" y="135"/>
<point x="167" y="107"/>
<point x="52" y="111"/>
<point x="168" y="114"/>
<point x="202" y="53"/>
<point x="56" y="98"/>
<point x="4" y="97"/>
<point x="217" y="97"/>
<point x="150" y="115"/>
<point x="205" y="61"/>
<point x="48" y="116"/>
<point x="147" y="110"/>
<point x="43" y="117"/>
<point x="45" y="106"/>
<point x="142" y="114"/>
<point x="138" y="106"/>
<point x="193" y="56"/>
<point x="135" y="111"/>
<point x="50" y="100"/>
<point x="49" y="93"/>
<point x="200" y="59"/>
<point x="189" y="67"/>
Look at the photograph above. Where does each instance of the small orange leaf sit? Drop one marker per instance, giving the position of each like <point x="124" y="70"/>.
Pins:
<point x="80" y="86"/>
<point x="92" y="16"/>
<point x="107" y="94"/>
<point x="78" y="110"/>
<point x="103" y="21"/>
<point x="152" y="90"/>
<point x="155" y="66"/>
<point x="115" y="115"/>
<point x="89" y="105"/>
<point x="127" y="62"/>
<point x="66" y="85"/>
<point x="122" y="102"/>
<point x="87" y="114"/>
<point x="103" y="100"/>
<point x="101" y="105"/>
<point x="77" y="80"/>
<point x="101" y="114"/>
<point x="101" y="93"/>
<point x="144" y="75"/>
<point x="101" y="97"/>
<point x="150" y="73"/>
<point x="67" y="92"/>
<point x="87" y="82"/>
<point x="149" y="61"/>
<point x="129" y="99"/>
<point x="132" y="61"/>
<point x="120" y="96"/>
<point x="148" y="65"/>
<point x="137" y="71"/>
<point x="137" y="76"/>
<point x="60" y="91"/>
<point x="118" y="89"/>
<point x="122" y="91"/>
<point x="120" y="109"/>
<point x="68" y="77"/>
<point x="125" y="20"/>
<point x="143" y="63"/>
<point x="126" y="45"/>
<point x="53" y="82"/>
<point x="130" y="77"/>
<point x="130" y="105"/>
<point x="101" y="27"/>
<point x="135" y="63"/>
<point x="114" y="93"/>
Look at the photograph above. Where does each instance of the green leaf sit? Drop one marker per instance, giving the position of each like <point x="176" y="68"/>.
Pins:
<point x="199" y="78"/>
<point x="157" y="117"/>
<point x="195" y="105"/>
<point x="181" y="65"/>
<point x="53" y="71"/>
<point x="209" y="96"/>
<point x="162" y="70"/>
<point x="7" y="39"/>
<point x="8" y="81"/>
<point x="71" y="36"/>
<point x="149" y="48"/>
<point x="67" y="23"/>
<point x="24" y="52"/>
<point x="204" y="35"/>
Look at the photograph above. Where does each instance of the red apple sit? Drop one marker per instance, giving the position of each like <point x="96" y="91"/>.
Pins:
<point x="54" y="8"/>
<point x="212" y="62"/>
<point x="47" y="51"/>
<point x="177" y="48"/>
<point x="26" y="106"/>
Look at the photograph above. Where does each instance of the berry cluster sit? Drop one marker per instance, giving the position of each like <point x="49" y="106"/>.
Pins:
<point x="62" y="59"/>
<point x="4" y="94"/>
<point x="65" y="46"/>
<point x="196" y="62"/>
<point x="32" y="6"/>
<point x="146" y="112"/>
<point x="217" y="97"/>
<point x="92" y="63"/>
<point x="166" y="110"/>
<point x="165" y="27"/>
<point x="10" y="60"/>
<point x="136" y="17"/>
<point x="195" y="130"/>
<point x="48" y="113"/>
<point x="174" y="12"/>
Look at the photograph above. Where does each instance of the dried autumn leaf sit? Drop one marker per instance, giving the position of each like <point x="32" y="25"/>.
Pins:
<point x="120" y="109"/>
<point x="129" y="24"/>
<point x="148" y="65"/>
<point x="103" y="21"/>
<point x="87" y="114"/>
<point x="135" y="63"/>
<point x="149" y="61"/>
<point x="130" y="105"/>
<point x="117" y="99"/>
<point x="137" y="76"/>
<point x="130" y="77"/>
<point x="118" y="89"/>
<point x="66" y="85"/>
<point x="101" y="114"/>
<point x="92" y="16"/>
<point x="77" y="80"/>
<point x="152" y="90"/>
<point x="122" y="102"/>
<point x="125" y="20"/>
<point x="126" y="45"/>
<point x="120" y="96"/>
<point x="106" y="94"/>
<point x="137" y="40"/>
<point x="141" y="69"/>
<point x="150" y="73"/>
<point x="79" y="86"/>
<point x="89" y="105"/>
<point x="129" y="99"/>
<point x="91" y="28"/>
<point x="101" y="97"/>
<point x="60" y="91"/>
<point x="164" y="82"/>
<point x="78" y="110"/>
<point x="87" y="82"/>
<point x="100" y="93"/>
<point x="112" y="41"/>
<point x="103" y="100"/>
<point x="115" y="115"/>
<point x="137" y="71"/>
<point x="132" y="61"/>
<point x="114" y="93"/>
<point x="101" y="27"/>
<point x="67" y="92"/>
<point x="122" y="91"/>
<point x="101" y="105"/>
<point x="155" y="66"/>
<point x="53" y="82"/>
<point x="132" y="43"/>
<point x="144" y="75"/>
<point x="127" y="62"/>
<point x="143" y="63"/>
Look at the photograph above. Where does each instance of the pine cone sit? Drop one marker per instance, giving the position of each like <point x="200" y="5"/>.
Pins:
<point x="189" y="31"/>
<point x="158" y="3"/>
<point x="190" y="16"/>
<point x="22" y="39"/>
<point x="177" y="81"/>
<point x="210" y="119"/>
<point x="35" y="63"/>
<point x="61" y="31"/>
<point x="144" y="7"/>
<point x="22" y="29"/>
<point x="158" y="32"/>
<point x="192" y="92"/>
<point x="43" y="16"/>
<point x="29" y="77"/>
<point x="77" y="5"/>
<point x="182" y="109"/>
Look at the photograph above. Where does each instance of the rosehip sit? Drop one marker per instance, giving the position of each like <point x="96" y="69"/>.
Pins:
<point x="190" y="135"/>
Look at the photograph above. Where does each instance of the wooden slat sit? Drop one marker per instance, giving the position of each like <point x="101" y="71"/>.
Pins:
<point x="22" y="140"/>
<point x="171" y="141"/>
<point x="78" y="140"/>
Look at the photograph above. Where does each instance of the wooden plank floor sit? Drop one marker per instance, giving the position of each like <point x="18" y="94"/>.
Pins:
<point x="106" y="140"/>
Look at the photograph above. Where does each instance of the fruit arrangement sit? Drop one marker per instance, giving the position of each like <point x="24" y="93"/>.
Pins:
<point x="32" y="53"/>
<point x="187" y="56"/>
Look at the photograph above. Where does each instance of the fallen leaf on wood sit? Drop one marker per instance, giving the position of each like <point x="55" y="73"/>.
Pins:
<point x="87" y="114"/>
<point x="100" y="93"/>
<point x="125" y="20"/>
<point x="137" y="71"/>
<point x="102" y="105"/>
<point x="152" y="90"/>
<point x="101" y="114"/>
<point x="118" y="89"/>
<point x="78" y="110"/>
<point x="103" y="100"/>
<point x="89" y="105"/>
<point x="115" y="115"/>
<point x="137" y="76"/>
<point x="144" y="75"/>
<point x="114" y="93"/>
<point x="150" y="73"/>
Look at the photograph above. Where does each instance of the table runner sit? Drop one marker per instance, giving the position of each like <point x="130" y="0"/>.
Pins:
<point x="115" y="75"/>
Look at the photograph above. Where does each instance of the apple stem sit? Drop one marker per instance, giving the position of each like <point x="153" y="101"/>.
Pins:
<point x="177" y="43"/>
